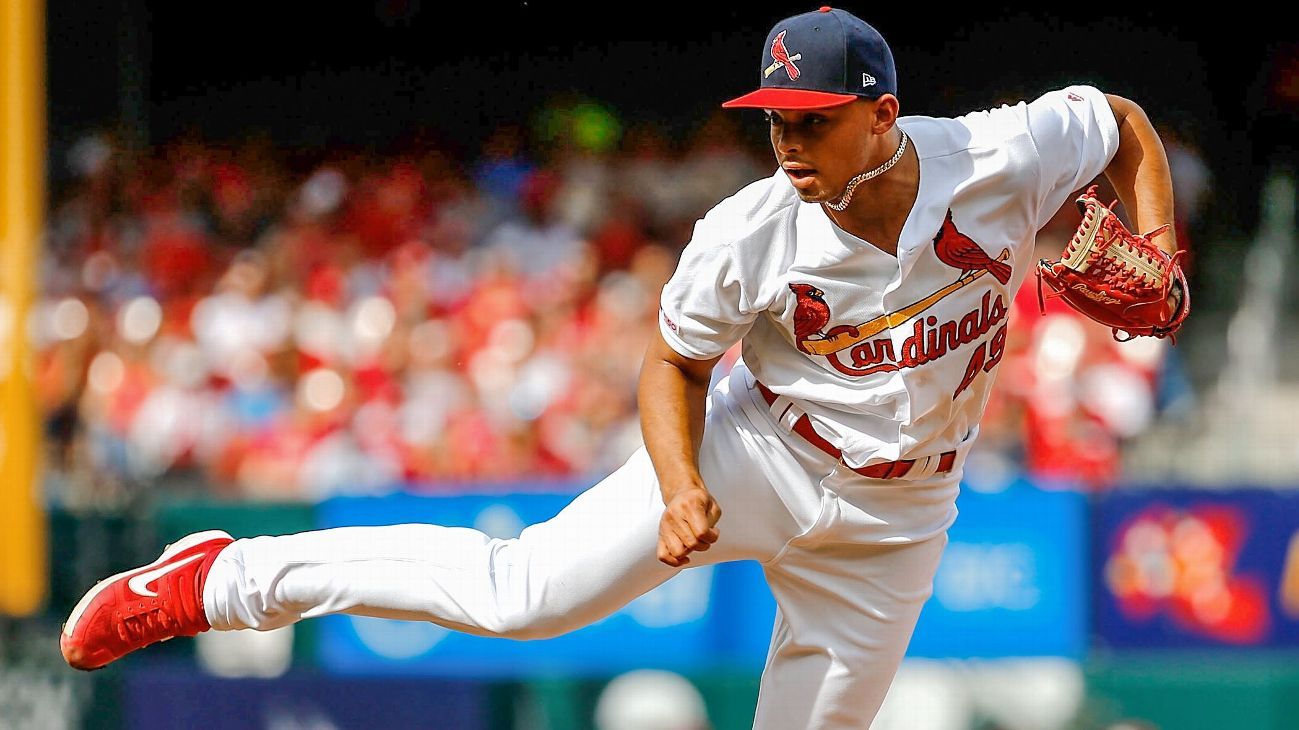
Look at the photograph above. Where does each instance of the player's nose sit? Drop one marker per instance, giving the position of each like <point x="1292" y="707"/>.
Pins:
<point x="786" y="142"/>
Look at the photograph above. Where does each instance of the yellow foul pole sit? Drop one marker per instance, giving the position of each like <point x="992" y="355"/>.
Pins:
<point x="22" y="204"/>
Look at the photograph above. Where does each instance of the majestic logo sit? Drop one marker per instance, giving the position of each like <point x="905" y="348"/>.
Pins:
<point x="139" y="583"/>
<point x="668" y="321"/>
<point x="780" y="58"/>
<point x="869" y="353"/>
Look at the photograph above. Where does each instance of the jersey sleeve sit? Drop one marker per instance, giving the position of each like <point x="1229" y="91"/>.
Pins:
<point x="1076" y="136"/>
<point x="705" y="307"/>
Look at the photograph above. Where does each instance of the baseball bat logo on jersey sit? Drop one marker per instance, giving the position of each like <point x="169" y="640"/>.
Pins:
<point x="860" y="349"/>
<point x="780" y="58"/>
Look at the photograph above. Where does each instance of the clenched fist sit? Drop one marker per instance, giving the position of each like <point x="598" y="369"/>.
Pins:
<point x="689" y="523"/>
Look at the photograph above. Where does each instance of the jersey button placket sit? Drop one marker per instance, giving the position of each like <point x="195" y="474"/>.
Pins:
<point x="897" y="384"/>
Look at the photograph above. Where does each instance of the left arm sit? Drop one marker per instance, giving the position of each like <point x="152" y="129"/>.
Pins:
<point x="1126" y="293"/>
<point x="1140" y="174"/>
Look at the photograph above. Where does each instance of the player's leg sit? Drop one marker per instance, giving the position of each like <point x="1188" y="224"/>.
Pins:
<point x="928" y="693"/>
<point x="846" y="616"/>
<point x="557" y="575"/>
<point x="592" y="558"/>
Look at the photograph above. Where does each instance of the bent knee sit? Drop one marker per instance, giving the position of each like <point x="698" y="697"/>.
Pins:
<point x="525" y="626"/>
<point x="528" y="628"/>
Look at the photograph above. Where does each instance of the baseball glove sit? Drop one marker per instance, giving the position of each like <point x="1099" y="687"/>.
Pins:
<point x="1117" y="278"/>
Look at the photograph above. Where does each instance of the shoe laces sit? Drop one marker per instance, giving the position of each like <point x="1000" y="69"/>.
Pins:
<point x="149" y="625"/>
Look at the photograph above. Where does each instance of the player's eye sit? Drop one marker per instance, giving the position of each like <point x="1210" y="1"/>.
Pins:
<point x="772" y="119"/>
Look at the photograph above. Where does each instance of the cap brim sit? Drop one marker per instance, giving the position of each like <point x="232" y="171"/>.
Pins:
<point x="774" y="98"/>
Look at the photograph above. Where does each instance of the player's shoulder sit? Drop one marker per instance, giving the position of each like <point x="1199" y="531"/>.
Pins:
<point x="940" y="137"/>
<point x="1063" y="101"/>
<point x="991" y="127"/>
<point x="760" y="199"/>
<point x="751" y="213"/>
<point x="997" y="125"/>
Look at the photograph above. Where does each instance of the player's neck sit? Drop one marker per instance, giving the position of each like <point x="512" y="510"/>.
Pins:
<point x="880" y="207"/>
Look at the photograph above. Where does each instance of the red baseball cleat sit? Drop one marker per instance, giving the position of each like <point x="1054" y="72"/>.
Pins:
<point x="144" y="605"/>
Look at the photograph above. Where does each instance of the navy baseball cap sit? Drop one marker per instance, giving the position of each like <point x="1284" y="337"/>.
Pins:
<point x="824" y="58"/>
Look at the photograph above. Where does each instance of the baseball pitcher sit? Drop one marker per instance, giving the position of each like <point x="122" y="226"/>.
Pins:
<point x="869" y="279"/>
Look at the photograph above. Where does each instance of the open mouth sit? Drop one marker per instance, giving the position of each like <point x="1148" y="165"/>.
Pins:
<point x="799" y="175"/>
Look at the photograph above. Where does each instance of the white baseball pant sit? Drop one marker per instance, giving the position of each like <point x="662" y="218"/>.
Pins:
<point x="846" y="609"/>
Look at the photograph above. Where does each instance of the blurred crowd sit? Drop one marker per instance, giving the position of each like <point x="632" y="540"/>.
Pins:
<point x="294" y="324"/>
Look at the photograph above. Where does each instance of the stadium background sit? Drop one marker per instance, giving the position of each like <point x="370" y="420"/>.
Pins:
<point x="304" y="267"/>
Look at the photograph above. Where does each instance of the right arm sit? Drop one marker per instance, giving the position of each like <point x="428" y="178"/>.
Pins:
<point x="672" y="393"/>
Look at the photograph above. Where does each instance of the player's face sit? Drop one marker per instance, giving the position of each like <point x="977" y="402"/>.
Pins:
<point x="821" y="149"/>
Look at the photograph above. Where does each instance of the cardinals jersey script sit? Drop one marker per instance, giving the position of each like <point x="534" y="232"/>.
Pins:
<point x="891" y="357"/>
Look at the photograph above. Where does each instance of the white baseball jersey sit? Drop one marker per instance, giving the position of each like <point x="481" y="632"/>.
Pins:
<point x="891" y="357"/>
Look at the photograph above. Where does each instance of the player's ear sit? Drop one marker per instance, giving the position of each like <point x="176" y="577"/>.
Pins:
<point x="885" y="113"/>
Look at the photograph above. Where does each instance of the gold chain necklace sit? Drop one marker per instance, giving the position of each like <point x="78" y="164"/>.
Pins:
<point x="853" y="183"/>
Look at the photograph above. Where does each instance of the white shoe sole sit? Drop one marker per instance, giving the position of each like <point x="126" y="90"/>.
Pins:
<point x="181" y="545"/>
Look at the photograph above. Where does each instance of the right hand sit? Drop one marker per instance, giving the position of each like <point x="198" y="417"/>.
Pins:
<point x="689" y="524"/>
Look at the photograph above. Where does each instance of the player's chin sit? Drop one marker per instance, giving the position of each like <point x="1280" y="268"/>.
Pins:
<point x="814" y="194"/>
<point x="819" y="198"/>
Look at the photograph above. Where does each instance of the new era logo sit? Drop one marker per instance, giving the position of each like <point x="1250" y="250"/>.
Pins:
<point x="867" y="80"/>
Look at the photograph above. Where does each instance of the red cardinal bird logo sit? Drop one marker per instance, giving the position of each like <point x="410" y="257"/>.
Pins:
<point x="811" y="314"/>
<point x="780" y="57"/>
<point x="961" y="252"/>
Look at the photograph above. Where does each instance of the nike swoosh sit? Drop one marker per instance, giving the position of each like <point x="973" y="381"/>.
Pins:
<point x="140" y="583"/>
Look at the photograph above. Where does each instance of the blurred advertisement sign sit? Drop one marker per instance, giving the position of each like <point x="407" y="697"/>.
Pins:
<point x="164" y="699"/>
<point x="1198" y="569"/>
<point x="686" y="623"/>
<point x="1013" y="578"/>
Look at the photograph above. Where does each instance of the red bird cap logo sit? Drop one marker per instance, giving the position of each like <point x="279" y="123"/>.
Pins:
<point x="780" y="58"/>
